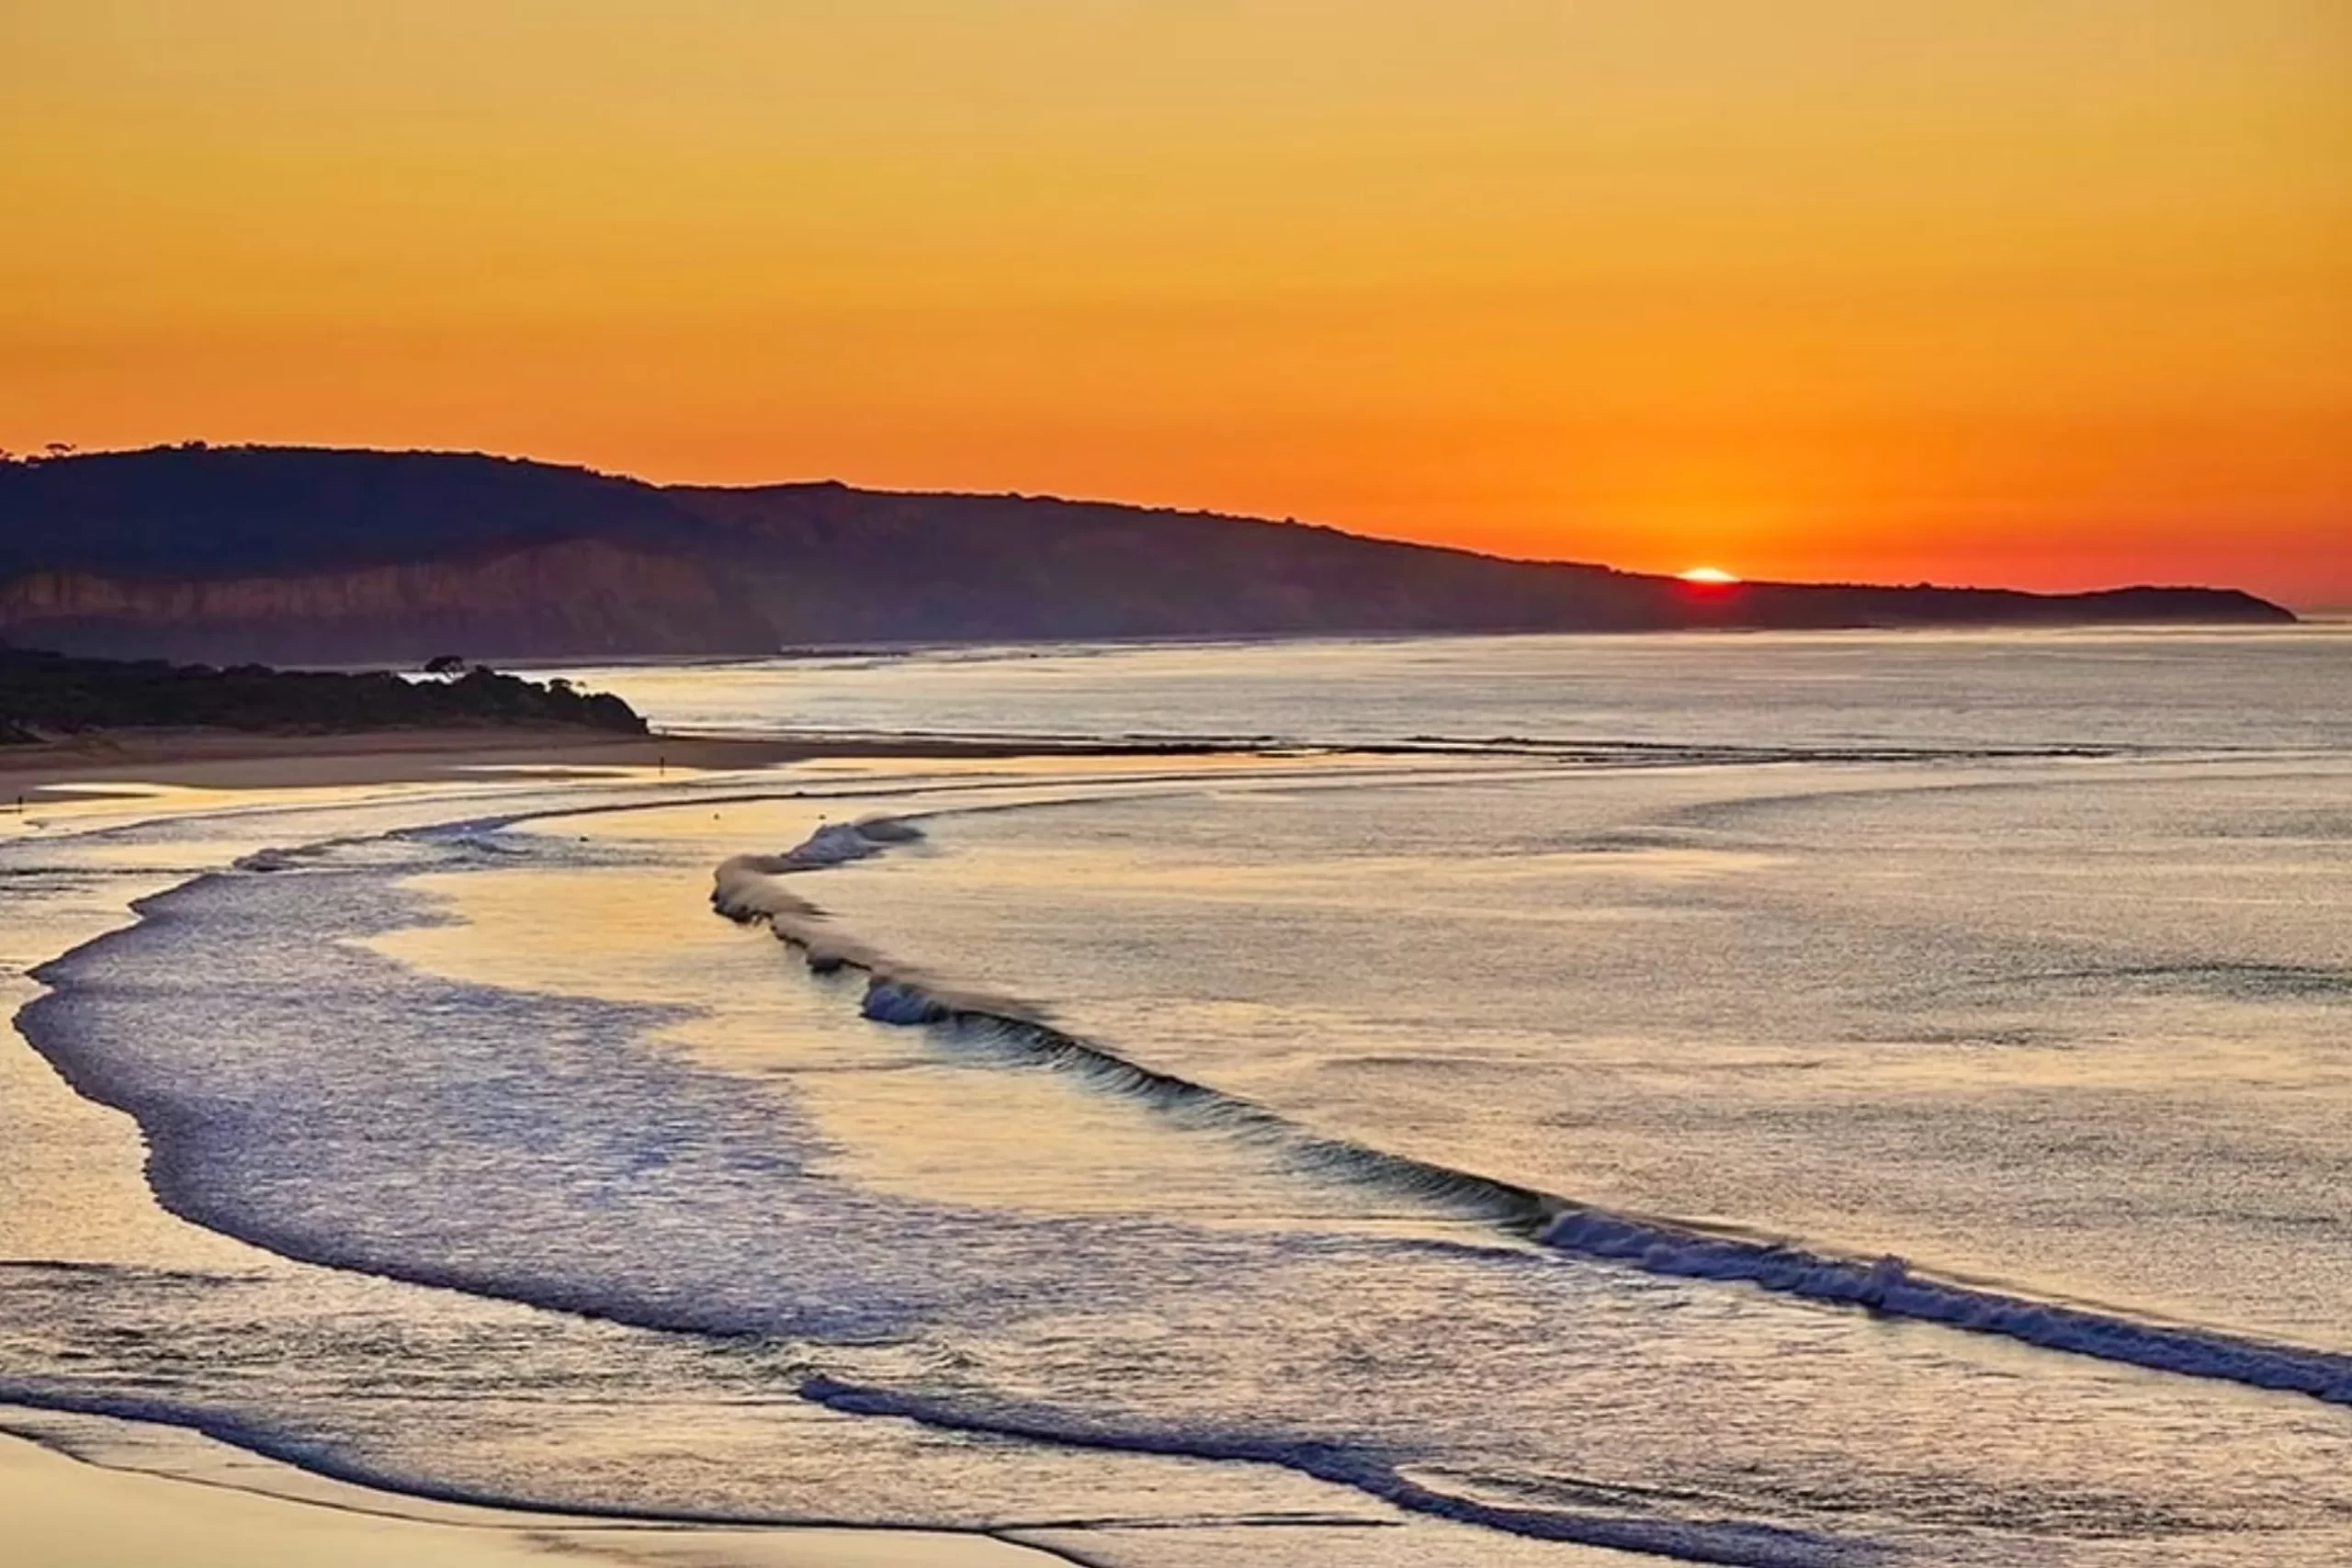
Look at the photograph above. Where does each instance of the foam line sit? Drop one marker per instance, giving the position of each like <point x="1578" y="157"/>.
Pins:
<point x="1740" y="1543"/>
<point x="749" y="889"/>
<point x="1887" y="1285"/>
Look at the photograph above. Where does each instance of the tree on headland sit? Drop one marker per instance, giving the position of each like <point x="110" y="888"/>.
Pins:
<point x="47" y="694"/>
<point x="447" y="666"/>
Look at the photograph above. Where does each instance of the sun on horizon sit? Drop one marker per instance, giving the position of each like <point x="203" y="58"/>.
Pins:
<point x="1714" y="574"/>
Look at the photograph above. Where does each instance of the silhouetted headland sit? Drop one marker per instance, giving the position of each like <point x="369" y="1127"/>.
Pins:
<point x="307" y="555"/>
<point x="46" y="696"/>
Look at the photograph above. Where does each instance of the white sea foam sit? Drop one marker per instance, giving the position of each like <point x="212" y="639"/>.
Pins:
<point x="749" y="888"/>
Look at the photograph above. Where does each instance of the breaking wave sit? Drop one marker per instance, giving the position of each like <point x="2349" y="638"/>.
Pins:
<point x="749" y="889"/>
<point x="220" y="1158"/>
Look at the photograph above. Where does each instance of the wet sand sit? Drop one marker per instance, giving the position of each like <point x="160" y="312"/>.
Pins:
<point x="64" y="1513"/>
<point x="224" y="759"/>
<point x="227" y="760"/>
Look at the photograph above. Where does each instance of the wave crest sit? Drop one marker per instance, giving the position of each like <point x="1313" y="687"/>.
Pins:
<point x="749" y="889"/>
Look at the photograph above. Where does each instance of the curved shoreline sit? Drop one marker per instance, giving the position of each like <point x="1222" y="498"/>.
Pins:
<point x="162" y="1498"/>
<point x="68" y="1507"/>
<point x="919" y="1002"/>
<point x="1396" y="1496"/>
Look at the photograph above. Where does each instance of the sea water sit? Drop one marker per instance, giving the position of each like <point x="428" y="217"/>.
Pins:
<point x="1752" y="1099"/>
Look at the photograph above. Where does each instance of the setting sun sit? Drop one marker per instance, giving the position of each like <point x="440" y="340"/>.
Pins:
<point x="1707" y="574"/>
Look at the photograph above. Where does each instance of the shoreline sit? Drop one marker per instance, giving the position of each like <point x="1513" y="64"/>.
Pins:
<point x="87" y="1491"/>
<point x="47" y="771"/>
<point x="67" y="1509"/>
<point x="216" y="759"/>
<point x="84" y="1490"/>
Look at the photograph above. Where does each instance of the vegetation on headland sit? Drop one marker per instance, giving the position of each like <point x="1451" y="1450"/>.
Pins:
<point x="51" y="695"/>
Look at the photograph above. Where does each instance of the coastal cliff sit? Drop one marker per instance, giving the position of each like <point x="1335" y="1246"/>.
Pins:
<point x="312" y="555"/>
<point x="583" y="596"/>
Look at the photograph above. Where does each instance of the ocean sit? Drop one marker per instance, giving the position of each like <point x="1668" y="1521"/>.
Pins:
<point x="1774" y="1099"/>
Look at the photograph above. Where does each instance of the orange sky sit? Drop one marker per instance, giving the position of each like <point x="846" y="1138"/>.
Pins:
<point x="2050" y="292"/>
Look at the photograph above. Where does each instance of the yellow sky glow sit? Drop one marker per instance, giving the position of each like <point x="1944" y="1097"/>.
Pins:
<point x="2053" y="292"/>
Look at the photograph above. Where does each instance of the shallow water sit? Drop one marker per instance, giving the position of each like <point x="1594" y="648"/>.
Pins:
<point x="1476" y="1152"/>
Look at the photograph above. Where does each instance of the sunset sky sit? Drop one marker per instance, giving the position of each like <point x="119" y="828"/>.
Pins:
<point x="2047" y="292"/>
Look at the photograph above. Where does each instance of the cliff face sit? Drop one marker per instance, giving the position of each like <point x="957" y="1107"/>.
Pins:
<point x="837" y="564"/>
<point x="304" y="555"/>
<point x="584" y="596"/>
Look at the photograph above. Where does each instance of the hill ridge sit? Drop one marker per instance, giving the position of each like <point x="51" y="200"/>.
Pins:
<point x="348" y="554"/>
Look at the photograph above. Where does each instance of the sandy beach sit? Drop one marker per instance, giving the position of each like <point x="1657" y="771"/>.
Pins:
<point x="63" y="1513"/>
